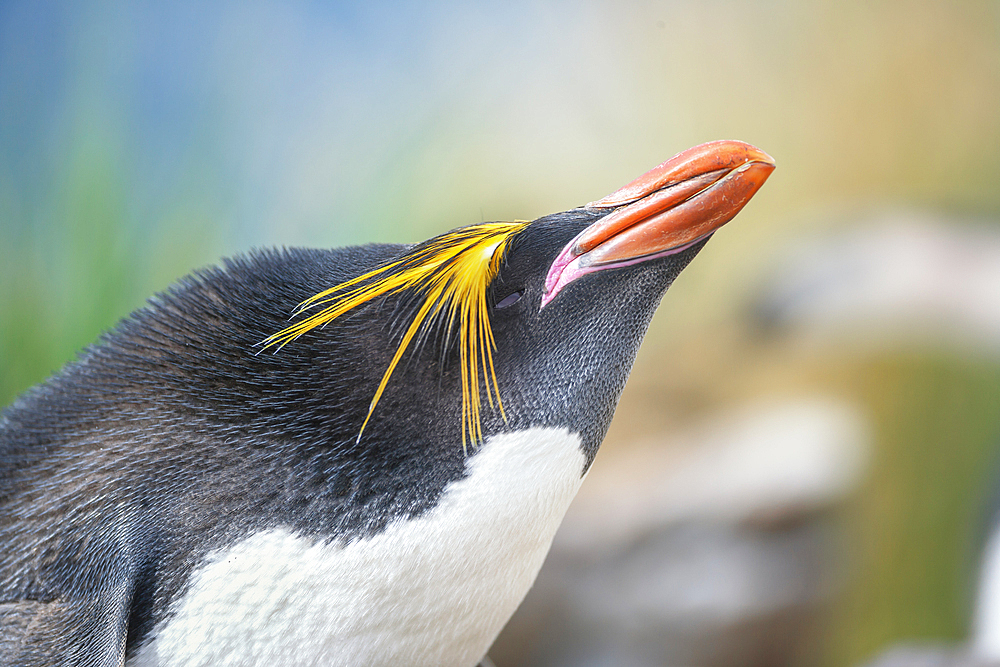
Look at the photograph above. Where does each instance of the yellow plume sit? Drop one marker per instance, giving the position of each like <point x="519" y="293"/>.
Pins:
<point x="453" y="273"/>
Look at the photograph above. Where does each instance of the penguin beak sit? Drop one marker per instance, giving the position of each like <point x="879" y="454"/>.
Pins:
<point x="666" y="210"/>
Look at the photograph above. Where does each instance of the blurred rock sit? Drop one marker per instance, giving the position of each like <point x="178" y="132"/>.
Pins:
<point x="897" y="278"/>
<point x="754" y="463"/>
<point x="929" y="655"/>
<point x="711" y="548"/>
<point x="982" y="649"/>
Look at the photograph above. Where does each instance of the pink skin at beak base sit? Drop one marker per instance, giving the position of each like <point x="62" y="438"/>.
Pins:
<point x="573" y="269"/>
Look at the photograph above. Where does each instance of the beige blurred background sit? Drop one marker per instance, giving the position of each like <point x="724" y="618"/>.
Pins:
<point x="140" y="141"/>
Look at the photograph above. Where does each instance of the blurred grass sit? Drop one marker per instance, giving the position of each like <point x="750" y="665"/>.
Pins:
<point x="915" y="523"/>
<point x="66" y="281"/>
<point x="79" y="265"/>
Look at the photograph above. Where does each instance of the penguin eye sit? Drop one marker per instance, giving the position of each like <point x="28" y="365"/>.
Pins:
<point x="509" y="300"/>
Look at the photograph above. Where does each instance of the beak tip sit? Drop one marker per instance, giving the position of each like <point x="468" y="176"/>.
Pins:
<point x="765" y="159"/>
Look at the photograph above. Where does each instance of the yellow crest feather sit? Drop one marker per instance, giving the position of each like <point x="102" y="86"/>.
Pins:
<point x="452" y="272"/>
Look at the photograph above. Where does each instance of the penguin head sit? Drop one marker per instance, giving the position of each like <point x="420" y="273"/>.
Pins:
<point x="538" y="323"/>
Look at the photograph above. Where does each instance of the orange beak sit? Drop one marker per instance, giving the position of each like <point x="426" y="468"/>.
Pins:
<point x="664" y="211"/>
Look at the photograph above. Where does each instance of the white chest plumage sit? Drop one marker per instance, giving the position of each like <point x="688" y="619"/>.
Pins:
<point x="435" y="590"/>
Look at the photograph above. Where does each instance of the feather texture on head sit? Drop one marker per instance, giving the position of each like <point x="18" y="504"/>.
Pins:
<point x="452" y="273"/>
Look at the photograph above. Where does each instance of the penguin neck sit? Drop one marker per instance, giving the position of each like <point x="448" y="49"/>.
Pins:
<point x="571" y="371"/>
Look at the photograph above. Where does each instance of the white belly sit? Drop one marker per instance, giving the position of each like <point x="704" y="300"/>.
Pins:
<point x="430" y="591"/>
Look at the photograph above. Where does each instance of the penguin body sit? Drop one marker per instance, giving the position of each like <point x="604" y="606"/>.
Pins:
<point x="183" y="495"/>
<point x="423" y="601"/>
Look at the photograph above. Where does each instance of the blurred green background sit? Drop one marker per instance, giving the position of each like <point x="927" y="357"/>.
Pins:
<point x="140" y="141"/>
